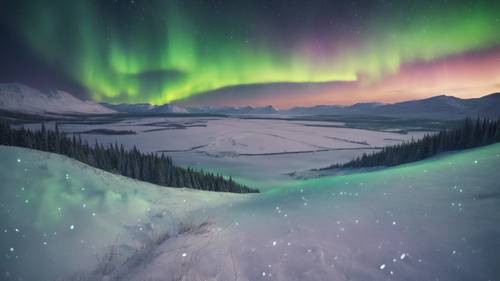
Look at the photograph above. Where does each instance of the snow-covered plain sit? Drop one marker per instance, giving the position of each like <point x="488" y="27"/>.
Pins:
<point x="258" y="152"/>
<point x="432" y="220"/>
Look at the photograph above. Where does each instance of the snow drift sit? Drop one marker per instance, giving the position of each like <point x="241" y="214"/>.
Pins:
<point x="432" y="220"/>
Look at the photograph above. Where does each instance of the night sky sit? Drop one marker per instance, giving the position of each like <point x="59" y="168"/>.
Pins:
<point x="186" y="51"/>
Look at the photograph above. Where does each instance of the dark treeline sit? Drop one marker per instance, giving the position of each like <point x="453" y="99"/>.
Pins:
<point x="472" y="133"/>
<point x="153" y="168"/>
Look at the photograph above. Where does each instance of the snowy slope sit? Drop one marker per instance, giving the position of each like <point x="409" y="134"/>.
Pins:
<point x="57" y="215"/>
<point x="432" y="220"/>
<point x="17" y="97"/>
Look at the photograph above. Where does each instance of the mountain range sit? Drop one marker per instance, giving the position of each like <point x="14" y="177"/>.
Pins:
<point x="17" y="97"/>
<point x="145" y="108"/>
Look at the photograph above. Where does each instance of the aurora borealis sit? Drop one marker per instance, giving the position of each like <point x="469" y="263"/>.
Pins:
<point x="173" y="51"/>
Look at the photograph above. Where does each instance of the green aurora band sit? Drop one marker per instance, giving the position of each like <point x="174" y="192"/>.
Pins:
<point x="169" y="51"/>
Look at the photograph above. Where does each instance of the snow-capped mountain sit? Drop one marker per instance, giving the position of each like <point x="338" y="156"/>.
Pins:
<point x="315" y="110"/>
<point x="445" y="107"/>
<point x="132" y="108"/>
<point x="145" y="108"/>
<point x="442" y="107"/>
<point x="15" y="97"/>
<point x="357" y="108"/>
<point x="168" y="108"/>
<point x="243" y="110"/>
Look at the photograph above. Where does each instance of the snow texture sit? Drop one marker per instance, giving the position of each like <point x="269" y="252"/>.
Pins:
<point x="392" y="224"/>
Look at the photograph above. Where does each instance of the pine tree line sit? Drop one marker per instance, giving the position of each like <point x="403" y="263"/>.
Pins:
<point x="150" y="167"/>
<point x="472" y="133"/>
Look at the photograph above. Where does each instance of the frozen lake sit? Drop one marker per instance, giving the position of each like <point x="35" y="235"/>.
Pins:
<point x="258" y="152"/>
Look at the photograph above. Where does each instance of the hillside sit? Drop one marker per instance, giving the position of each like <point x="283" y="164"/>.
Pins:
<point x="62" y="212"/>
<point x="19" y="98"/>
<point x="404" y="223"/>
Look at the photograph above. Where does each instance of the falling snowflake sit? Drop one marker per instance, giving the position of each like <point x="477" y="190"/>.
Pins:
<point x="71" y="227"/>
<point x="382" y="266"/>
<point x="274" y="243"/>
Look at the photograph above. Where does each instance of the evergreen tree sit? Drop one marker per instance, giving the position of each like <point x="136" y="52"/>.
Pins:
<point x="472" y="133"/>
<point x="154" y="168"/>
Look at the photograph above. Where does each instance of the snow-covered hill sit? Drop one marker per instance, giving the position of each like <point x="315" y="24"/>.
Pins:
<point x="58" y="215"/>
<point x="15" y="97"/>
<point x="432" y="220"/>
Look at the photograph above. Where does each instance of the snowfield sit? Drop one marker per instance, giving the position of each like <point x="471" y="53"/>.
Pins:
<point x="432" y="220"/>
<point x="261" y="151"/>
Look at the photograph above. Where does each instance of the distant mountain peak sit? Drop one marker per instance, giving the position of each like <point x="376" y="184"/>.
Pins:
<point x="17" y="97"/>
